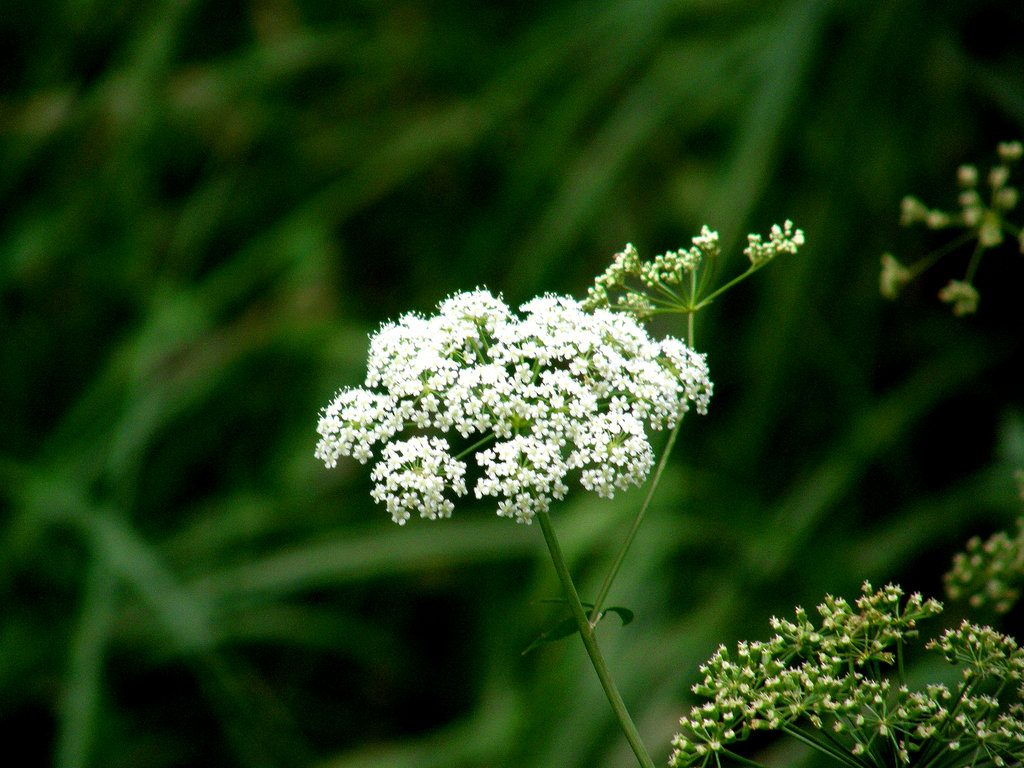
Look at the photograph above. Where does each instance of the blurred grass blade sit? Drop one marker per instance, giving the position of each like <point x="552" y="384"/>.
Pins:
<point x="117" y="547"/>
<point x="83" y="685"/>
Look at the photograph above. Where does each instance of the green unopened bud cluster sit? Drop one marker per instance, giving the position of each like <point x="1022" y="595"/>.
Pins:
<point x="670" y="283"/>
<point x="974" y="212"/>
<point x="781" y="240"/>
<point x="990" y="572"/>
<point x="961" y="296"/>
<point x="982" y="217"/>
<point x="837" y="684"/>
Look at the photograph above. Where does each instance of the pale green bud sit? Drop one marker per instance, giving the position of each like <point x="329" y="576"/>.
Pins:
<point x="962" y="295"/>
<point x="967" y="176"/>
<point x="1009" y="151"/>
<point x="893" y="277"/>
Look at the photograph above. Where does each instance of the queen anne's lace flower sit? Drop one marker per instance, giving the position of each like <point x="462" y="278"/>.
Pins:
<point x="414" y="474"/>
<point x="525" y="472"/>
<point x="353" y="423"/>
<point x="612" y="451"/>
<point x="560" y="390"/>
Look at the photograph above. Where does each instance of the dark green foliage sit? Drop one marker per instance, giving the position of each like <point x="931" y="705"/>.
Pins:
<point x="204" y="209"/>
<point x="568" y="627"/>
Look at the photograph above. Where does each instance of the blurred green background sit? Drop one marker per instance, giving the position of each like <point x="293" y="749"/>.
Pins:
<point x="207" y="206"/>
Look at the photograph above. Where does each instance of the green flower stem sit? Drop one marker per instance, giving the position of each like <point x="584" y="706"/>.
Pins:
<point x="482" y="441"/>
<point x="672" y="295"/>
<point x="927" y="262"/>
<point x="822" y="747"/>
<point x="691" y="319"/>
<point x="590" y="643"/>
<point x="741" y="759"/>
<point x="602" y="594"/>
<point x="972" y="267"/>
<point x="719" y="291"/>
<point x="900" y="671"/>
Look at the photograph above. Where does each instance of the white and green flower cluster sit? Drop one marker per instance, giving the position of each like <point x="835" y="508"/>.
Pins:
<point x="664" y="273"/>
<point x="836" y="685"/>
<point x="989" y="573"/>
<point x="781" y="240"/>
<point x="984" y="219"/>
<point x="554" y="393"/>
<point x="975" y="213"/>
<point x="669" y="282"/>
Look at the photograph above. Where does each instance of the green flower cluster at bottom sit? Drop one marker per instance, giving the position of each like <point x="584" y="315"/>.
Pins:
<point x="837" y="685"/>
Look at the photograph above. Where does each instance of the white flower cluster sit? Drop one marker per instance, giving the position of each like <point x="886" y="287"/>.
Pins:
<point x="990" y="572"/>
<point x="780" y="240"/>
<point x="559" y="390"/>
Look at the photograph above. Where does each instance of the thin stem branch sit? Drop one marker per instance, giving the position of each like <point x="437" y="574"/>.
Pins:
<point x="741" y="759"/>
<point x="482" y="441"/>
<point x="810" y="741"/>
<point x="975" y="262"/>
<point x="606" y="586"/>
<point x="928" y="261"/>
<point x="590" y="643"/>
<point x="722" y="289"/>
<point x="691" y="318"/>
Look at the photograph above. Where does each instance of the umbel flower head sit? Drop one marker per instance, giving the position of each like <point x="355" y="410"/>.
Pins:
<point x="990" y="573"/>
<point x="544" y="397"/>
<point x="837" y="684"/>
<point x="675" y="282"/>
<point x="985" y="222"/>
